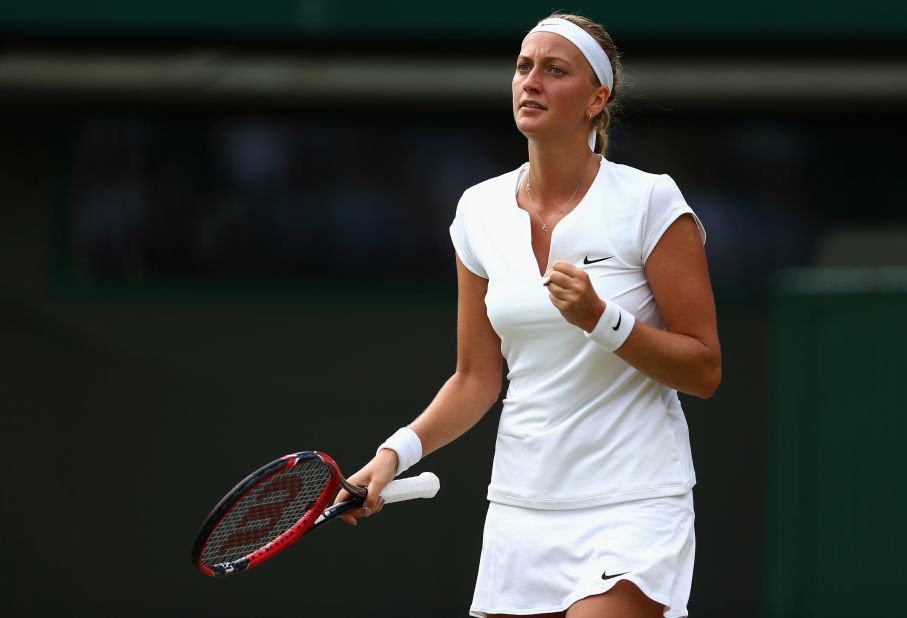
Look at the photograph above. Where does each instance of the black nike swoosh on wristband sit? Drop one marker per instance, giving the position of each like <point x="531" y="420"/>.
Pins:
<point x="606" y="576"/>
<point x="619" y="318"/>
<point x="586" y="259"/>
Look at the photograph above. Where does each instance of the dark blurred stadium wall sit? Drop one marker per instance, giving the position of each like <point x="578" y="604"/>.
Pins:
<point x="221" y="220"/>
<point x="767" y="21"/>
<point x="837" y="426"/>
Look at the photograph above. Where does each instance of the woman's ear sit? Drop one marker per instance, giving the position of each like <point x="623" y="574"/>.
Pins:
<point x="600" y="100"/>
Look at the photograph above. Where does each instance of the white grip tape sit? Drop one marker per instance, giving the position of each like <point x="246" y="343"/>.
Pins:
<point x="426" y="485"/>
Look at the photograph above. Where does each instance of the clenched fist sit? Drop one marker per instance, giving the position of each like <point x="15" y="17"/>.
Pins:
<point x="571" y="291"/>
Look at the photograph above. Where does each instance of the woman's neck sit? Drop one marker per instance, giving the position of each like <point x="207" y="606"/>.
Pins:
<point x="555" y="171"/>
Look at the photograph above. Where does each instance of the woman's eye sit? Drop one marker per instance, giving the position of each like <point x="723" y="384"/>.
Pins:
<point x="522" y="67"/>
<point x="557" y="70"/>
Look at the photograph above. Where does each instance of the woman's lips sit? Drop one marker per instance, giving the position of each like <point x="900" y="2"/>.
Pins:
<point x="532" y="106"/>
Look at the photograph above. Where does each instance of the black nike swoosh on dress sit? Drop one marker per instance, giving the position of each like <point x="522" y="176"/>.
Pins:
<point x="606" y="576"/>
<point x="586" y="259"/>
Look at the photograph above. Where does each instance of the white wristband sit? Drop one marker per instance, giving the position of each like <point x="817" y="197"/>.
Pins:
<point x="408" y="447"/>
<point x="613" y="326"/>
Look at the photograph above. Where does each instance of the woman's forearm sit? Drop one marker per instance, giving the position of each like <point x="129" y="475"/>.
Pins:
<point x="683" y="362"/>
<point x="459" y="404"/>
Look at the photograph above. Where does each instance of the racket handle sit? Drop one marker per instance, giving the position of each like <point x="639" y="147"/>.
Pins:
<point x="426" y="485"/>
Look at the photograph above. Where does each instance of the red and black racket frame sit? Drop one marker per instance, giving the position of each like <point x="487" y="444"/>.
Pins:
<point x="319" y="512"/>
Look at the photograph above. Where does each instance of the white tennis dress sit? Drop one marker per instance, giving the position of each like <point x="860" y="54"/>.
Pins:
<point x="583" y="437"/>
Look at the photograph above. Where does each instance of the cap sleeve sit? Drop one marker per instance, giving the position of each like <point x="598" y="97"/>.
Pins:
<point x="666" y="205"/>
<point x="459" y="234"/>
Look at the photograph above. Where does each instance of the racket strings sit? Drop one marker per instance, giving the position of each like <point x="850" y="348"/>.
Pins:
<point x="266" y="512"/>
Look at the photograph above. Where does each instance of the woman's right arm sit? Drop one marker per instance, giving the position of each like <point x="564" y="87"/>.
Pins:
<point x="476" y="384"/>
<point x="464" y="399"/>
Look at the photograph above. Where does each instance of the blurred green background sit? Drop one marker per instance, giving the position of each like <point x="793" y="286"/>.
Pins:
<point x="224" y="238"/>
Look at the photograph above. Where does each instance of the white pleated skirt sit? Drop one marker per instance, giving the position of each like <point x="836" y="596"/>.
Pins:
<point x="538" y="561"/>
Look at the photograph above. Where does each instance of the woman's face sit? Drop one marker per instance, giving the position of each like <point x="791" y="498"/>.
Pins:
<point x="554" y="88"/>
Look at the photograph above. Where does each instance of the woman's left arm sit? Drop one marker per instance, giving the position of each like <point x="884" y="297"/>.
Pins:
<point x="686" y="355"/>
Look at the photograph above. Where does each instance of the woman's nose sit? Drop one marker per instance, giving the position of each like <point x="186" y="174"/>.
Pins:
<point x="531" y="82"/>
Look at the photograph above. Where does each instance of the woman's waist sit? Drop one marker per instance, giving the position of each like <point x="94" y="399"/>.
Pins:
<point x="537" y="409"/>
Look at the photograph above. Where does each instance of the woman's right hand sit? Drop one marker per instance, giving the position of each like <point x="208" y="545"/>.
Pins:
<point x="375" y="475"/>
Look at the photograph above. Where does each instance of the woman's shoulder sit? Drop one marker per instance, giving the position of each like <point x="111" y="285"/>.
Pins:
<point x="632" y="177"/>
<point x="496" y="188"/>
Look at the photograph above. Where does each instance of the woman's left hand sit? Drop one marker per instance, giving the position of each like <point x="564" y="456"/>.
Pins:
<point x="571" y="291"/>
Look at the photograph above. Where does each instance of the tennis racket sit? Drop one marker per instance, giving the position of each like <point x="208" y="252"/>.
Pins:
<point x="278" y="503"/>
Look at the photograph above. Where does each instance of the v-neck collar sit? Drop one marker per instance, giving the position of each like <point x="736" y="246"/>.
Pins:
<point x="566" y="218"/>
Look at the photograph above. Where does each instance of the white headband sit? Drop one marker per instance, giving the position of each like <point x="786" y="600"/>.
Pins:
<point x="589" y="47"/>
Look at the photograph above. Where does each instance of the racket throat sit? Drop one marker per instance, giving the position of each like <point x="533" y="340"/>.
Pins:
<point x="337" y="509"/>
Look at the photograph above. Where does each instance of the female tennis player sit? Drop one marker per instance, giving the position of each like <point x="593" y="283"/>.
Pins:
<point x="590" y="279"/>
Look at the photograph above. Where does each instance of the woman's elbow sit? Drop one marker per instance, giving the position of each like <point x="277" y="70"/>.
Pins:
<point x="485" y="386"/>
<point x="493" y="390"/>
<point x="709" y="381"/>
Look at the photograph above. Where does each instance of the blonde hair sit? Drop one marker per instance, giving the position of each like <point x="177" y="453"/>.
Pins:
<point x="602" y="122"/>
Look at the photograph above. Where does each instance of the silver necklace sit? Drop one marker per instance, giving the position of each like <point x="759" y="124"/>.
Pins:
<point x="569" y="199"/>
